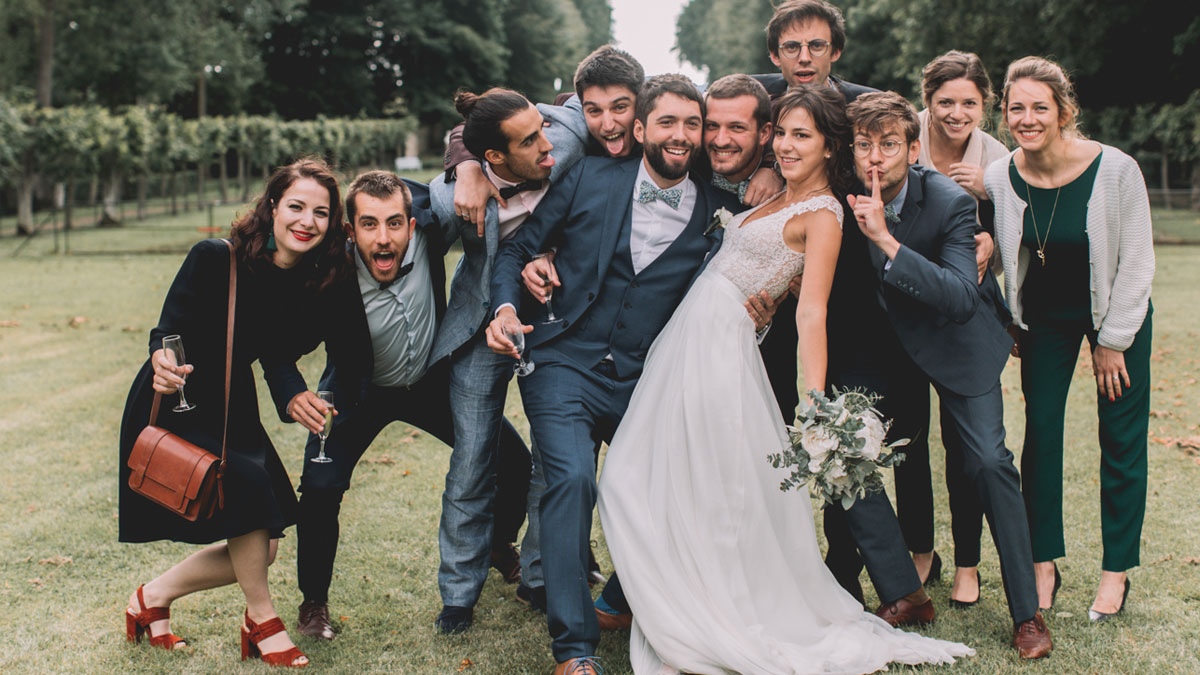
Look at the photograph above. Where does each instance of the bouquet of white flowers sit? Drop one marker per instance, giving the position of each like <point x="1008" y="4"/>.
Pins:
<point x="837" y="447"/>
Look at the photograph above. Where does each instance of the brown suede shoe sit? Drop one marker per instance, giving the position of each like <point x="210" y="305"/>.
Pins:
<point x="613" y="621"/>
<point x="583" y="665"/>
<point x="314" y="621"/>
<point x="904" y="612"/>
<point x="1032" y="638"/>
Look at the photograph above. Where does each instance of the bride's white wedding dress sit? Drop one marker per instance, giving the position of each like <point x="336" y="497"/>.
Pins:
<point x="721" y="568"/>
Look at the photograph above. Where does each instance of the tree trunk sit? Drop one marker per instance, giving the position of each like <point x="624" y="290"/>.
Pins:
<point x="241" y="176"/>
<point x="112" y="200"/>
<point x="25" y="203"/>
<point x="143" y="184"/>
<point x="93" y="190"/>
<point x="223" y="174"/>
<point x="171" y="191"/>
<point x="200" y="176"/>
<point x="45" y="52"/>
<point x="1196" y="184"/>
<point x="69" y="199"/>
<point x="1166" y="179"/>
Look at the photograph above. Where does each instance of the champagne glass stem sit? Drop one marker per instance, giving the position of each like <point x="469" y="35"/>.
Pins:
<point x="183" y="402"/>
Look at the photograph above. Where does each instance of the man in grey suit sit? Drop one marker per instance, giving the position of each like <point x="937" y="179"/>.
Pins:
<point x="525" y="148"/>
<point x="942" y="327"/>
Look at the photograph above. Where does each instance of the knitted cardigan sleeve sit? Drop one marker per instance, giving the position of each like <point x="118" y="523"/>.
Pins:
<point x="1130" y="232"/>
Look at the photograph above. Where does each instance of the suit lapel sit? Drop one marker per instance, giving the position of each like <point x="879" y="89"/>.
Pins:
<point x="911" y="211"/>
<point x="618" y="209"/>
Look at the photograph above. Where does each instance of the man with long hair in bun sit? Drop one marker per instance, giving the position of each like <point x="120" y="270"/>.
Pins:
<point x="524" y="148"/>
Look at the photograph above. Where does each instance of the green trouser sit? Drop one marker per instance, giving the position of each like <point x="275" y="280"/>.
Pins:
<point x="1049" y="352"/>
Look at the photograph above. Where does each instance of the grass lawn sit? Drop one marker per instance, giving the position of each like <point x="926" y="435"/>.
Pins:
<point x="73" y="332"/>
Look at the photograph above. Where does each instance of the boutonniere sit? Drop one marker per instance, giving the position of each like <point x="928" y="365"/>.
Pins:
<point x="721" y="218"/>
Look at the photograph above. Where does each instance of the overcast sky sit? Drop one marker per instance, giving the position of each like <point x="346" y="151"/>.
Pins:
<point x="646" y="29"/>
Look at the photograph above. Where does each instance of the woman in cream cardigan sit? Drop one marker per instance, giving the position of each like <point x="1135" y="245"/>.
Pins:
<point x="957" y="94"/>
<point x="1073" y="229"/>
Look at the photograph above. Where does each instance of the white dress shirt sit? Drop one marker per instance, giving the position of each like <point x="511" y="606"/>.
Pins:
<point x="655" y="224"/>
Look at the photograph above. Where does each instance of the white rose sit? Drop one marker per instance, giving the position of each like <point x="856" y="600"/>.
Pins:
<point x="723" y="216"/>
<point x="873" y="434"/>
<point x="818" y="444"/>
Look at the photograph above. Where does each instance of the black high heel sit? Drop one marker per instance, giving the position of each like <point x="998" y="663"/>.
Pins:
<point x="1101" y="617"/>
<point x="935" y="571"/>
<point x="963" y="604"/>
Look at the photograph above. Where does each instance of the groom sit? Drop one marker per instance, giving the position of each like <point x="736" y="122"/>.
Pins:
<point x="632" y="236"/>
<point x="941" y="326"/>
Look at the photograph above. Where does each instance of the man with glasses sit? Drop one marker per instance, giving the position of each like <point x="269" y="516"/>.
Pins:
<point x="942" y="327"/>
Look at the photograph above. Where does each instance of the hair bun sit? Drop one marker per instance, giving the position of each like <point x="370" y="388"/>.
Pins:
<point x="464" y="102"/>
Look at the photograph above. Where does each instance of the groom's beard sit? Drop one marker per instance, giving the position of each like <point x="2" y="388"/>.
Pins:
<point x="670" y="166"/>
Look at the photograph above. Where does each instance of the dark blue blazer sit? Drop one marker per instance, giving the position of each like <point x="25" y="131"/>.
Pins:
<point x="586" y="211"/>
<point x="950" y="325"/>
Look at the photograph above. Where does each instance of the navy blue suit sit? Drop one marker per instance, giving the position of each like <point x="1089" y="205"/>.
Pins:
<point x="575" y="397"/>
<point x="932" y="322"/>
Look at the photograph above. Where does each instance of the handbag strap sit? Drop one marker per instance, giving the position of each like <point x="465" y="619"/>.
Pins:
<point x="228" y="364"/>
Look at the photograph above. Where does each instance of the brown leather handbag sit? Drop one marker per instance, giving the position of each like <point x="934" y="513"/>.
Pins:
<point x="180" y="476"/>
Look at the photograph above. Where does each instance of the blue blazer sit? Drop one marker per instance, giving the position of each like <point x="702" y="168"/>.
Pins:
<point x="586" y="211"/>
<point x="951" y="326"/>
<point x="470" y="289"/>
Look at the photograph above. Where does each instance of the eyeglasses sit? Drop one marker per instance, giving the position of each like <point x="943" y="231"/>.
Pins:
<point x="815" y="48"/>
<point x="889" y="148"/>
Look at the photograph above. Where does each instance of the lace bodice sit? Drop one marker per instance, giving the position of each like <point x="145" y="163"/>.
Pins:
<point x="755" y="257"/>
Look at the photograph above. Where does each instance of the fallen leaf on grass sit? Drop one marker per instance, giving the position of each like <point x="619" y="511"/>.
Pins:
<point x="416" y="434"/>
<point x="9" y="324"/>
<point x="1166" y="558"/>
<point x="382" y="459"/>
<point x="55" y="560"/>
<point x="1160" y="413"/>
<point x="77" y="321"/>
<point x="1192" y="561"/>
<point x="31" y="508"/>
<point x="27" y="558"/>
<point x="466" y="663"/>
<point x="36" y="581"/>
<point x="130" y="329"/>
<point x="344" y="618"/>
<point x="405" y="472"/>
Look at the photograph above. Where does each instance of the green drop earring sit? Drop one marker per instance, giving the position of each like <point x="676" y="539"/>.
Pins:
<point x="271" y="242"/>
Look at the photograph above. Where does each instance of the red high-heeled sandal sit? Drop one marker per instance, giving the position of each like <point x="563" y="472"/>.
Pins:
<point x="136" y="624"/>
<point x="254" y="633"/>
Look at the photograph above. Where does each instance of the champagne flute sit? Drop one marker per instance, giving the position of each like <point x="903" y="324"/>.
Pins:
<point x="173" y="348"/>
<point x="550" y="318"/>
<point x="327" y="397"/>
<point x="517" y="337"/>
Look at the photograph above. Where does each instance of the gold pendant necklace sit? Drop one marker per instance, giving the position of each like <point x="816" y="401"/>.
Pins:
<point x="1041" y="250"/>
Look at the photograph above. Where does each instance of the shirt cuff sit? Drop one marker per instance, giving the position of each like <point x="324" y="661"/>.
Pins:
<point x="761" y="334"/>
<point x="507" y="304"/>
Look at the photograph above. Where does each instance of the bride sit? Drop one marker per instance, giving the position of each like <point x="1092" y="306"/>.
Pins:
<point x="721" y="568"/>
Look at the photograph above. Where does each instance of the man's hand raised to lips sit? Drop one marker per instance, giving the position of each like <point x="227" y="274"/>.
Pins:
<point x="868" y="211"/>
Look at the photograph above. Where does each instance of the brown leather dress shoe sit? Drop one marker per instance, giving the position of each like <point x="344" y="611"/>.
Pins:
<point x="1032" y="638"/>
<point x="613" y="621"/>
<point x="506" y="560"/>
<point x="583" y="665"/>
<point x="314" y="620"/>
<point x="904" y="612"/>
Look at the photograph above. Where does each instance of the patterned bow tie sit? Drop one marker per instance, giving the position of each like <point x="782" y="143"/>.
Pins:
<point x="722" y="183"/>
<point x="890" y="215"/>
<point x="648" y="192"/>
<point x="523" y="186"/>
<point x="404" y="270"/>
